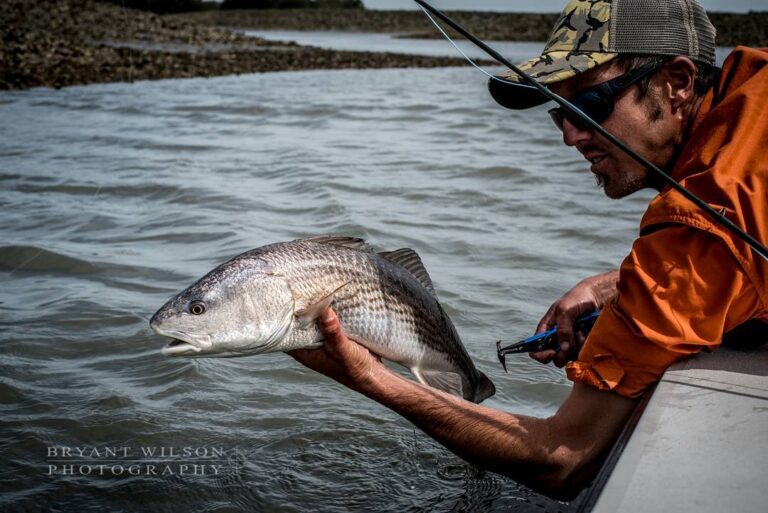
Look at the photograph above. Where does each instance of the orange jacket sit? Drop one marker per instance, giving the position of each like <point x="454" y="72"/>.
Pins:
<point x="687" y="280"/>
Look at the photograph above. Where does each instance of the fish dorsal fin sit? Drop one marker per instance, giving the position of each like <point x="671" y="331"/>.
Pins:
<point x="409" y="260"/>
<point x="344" y="242"/>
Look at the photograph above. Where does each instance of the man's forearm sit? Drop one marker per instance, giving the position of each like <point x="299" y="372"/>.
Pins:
<point x="513" y="445"/>
<point x="556" y="455"/>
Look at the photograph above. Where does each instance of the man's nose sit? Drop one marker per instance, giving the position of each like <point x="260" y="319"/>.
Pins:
<point x="573" y="134"/>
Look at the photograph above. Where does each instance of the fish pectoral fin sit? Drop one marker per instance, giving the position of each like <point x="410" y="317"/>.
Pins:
<point x="310" y="313"/>
<point x="446" y="381"/>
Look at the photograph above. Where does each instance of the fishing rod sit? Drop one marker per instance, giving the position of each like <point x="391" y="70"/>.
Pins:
<point x="581" y="116"/>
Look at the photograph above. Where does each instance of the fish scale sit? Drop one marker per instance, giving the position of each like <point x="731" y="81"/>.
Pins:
<point x="268" y="299"/>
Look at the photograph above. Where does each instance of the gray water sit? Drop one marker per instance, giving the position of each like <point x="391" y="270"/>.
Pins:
<point x="371" y="42"/>
<point x="515" y="51"/>
<point x="115" y="197"/>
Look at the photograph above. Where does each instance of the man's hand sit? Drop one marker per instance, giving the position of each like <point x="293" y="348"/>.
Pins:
<point x="587" y="296"/>
<point x="341" y="358"/>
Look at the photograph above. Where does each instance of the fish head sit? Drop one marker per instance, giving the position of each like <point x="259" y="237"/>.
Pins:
<point x="237" y="309"/>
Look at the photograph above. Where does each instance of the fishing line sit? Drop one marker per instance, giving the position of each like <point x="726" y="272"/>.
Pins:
<point x="467" y="57"/>
<point x="469" y="60"/>
<point x="719" y="218"/>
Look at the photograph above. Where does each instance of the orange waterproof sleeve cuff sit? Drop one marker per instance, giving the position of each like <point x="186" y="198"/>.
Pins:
<point x="602" y="372"/>
<point x="618" y="358"/>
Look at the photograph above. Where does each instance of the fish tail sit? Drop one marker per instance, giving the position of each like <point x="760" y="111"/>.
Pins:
<point x="485" y="388"/>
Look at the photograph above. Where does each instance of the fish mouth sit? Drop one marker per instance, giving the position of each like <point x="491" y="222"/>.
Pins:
<point x="178" y="347"/>
<point x="182" y="344"/>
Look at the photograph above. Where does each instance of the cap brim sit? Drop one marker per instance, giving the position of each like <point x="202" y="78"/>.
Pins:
<point x="513" y="95"/>
<point x="549" y="68"/>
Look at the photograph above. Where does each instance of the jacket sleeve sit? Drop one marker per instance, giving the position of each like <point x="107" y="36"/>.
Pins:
<point x="680" y="289"/>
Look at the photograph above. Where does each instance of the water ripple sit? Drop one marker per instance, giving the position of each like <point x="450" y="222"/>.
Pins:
<point x="117" y="196"/>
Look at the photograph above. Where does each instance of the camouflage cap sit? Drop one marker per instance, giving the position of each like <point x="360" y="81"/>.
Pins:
<point x="592" y="32"/>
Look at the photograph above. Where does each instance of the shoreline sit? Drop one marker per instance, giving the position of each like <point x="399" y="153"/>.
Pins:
<point x="57" y="44"/>
<point x="47" y="43"/>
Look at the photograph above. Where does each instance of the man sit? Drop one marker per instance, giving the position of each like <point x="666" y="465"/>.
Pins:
<point x="645" y="72"/>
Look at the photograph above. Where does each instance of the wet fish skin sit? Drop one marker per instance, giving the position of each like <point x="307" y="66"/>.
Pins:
<point x="268" y="300"/>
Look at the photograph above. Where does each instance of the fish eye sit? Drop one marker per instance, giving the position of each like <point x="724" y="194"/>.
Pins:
<point x="197" y="308"/>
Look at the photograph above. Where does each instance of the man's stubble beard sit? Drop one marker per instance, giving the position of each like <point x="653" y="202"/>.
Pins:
<point x="626" y="187"/>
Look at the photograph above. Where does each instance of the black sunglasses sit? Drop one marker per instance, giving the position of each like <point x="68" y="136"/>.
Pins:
<point x="597" y="102"/>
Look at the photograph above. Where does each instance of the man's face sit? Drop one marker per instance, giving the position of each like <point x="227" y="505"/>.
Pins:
<point x="642" y="123"/>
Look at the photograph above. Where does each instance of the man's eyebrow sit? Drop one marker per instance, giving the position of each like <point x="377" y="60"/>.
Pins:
<point x="568" y="94"/>
<point x="580" y="88"/>
<point x="592" y="81"/>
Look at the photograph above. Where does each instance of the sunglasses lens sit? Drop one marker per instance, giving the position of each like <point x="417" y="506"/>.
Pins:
<point x="590" y="103"/>
<point x="595" y="106"/>
<point x="557" y="117"/>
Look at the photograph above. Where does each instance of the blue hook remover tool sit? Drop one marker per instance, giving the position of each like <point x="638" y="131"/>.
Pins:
<point x="544" y="340"/>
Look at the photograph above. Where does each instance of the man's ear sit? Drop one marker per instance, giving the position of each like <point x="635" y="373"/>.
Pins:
<point x="678" y="77"/>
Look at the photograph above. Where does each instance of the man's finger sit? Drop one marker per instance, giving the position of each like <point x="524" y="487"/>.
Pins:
<point x="564" y="335"/>
<point x="562" y="357"/>
<point x="329" y="325"/>
<point x="299" y="354"/>
<point x="308" y="357"/>
<point x="580" y="339"/>
<point x="546" y="322"/>
<point x="544" y="356"/>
